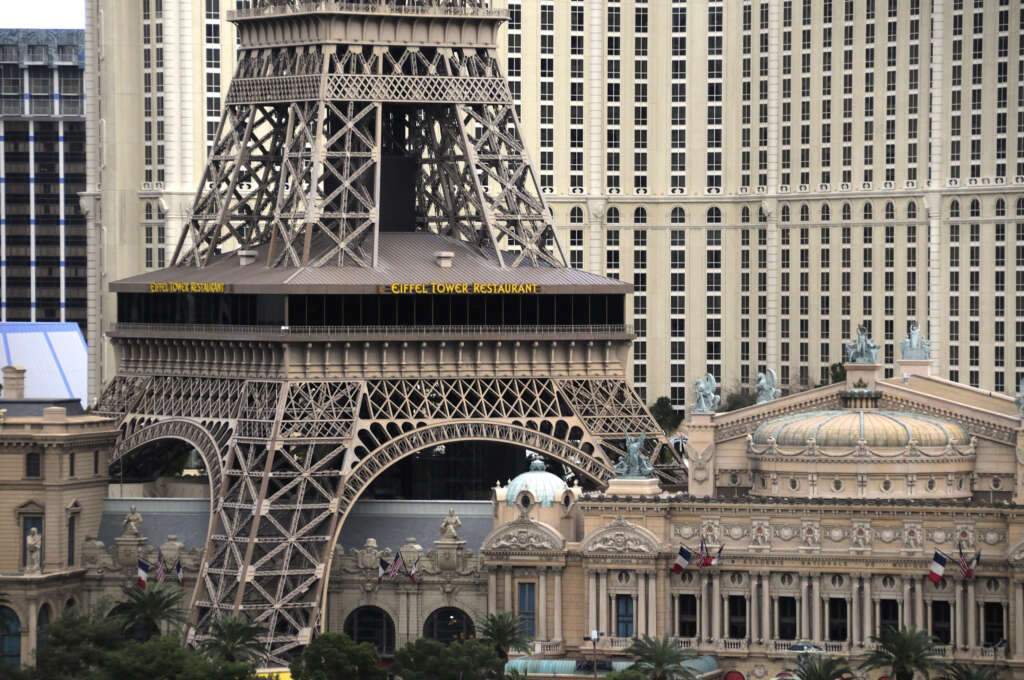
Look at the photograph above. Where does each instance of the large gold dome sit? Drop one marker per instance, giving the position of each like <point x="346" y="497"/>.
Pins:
<point x="850" y="427"/>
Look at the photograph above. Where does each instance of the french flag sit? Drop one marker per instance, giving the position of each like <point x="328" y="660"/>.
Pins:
<point x="143" y="576"/>
<point x="938" y="567"/>
<point x="682" y="560"/>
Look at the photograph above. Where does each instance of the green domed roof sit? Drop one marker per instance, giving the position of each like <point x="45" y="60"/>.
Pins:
<point x="547" y="489"/>
<point x="847" y="428"/>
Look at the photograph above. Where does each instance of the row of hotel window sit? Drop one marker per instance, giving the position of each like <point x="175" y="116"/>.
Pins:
<point x="34" y="464"/>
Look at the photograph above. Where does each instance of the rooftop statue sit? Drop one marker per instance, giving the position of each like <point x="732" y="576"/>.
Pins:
<point x="914" y="346"/>
<point x="707" y="399"/>
<point x="863" y="349"/>
<point x="634" y="463"/>
<point x="450" y="526"/>
<point x="131" y="522"/>
<point x="766" y="387"/>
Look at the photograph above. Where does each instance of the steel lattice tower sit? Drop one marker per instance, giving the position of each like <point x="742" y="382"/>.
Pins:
<point x="323" y="91"/>
<point x="347" y="122"/>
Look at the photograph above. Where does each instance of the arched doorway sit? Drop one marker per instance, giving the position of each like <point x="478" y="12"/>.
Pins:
<point x="10" y="638"/>
<point x="42" y="623"/>
<point x="373" y="625"/>
<point x="448" y="624"/>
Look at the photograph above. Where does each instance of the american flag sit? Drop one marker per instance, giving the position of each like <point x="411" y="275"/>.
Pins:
<point x="397" y="565"/>
<point x="703" y="559"/>
<point x="161" y="570"/>
<point x="967" y="566"/>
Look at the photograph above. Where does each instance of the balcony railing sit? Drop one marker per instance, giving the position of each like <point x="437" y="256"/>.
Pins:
<point x="684" y="643"/>
<point x="554" y="330"/>
<point x="616" y="643"/>
<point x="547" y="647"/>
<point x="267" y="8"/>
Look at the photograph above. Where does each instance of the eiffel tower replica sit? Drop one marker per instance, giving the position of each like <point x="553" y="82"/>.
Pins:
<point x="369" y="271"/>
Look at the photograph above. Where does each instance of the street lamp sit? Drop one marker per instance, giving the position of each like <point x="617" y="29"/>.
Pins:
<point x="594" y="637"/>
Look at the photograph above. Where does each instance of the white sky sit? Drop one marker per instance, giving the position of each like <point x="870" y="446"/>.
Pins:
<point x="42" y="13"/>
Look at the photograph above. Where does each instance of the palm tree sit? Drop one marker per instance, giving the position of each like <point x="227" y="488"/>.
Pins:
<point x="821" y="667"/>
<point x="903" y="652"/>
<point x="959" y="671"/>
<point x="505" y="631"/>
<point x="146" y="609"/>
<point x="659" y="659"/>
<point x="234" y="639"/>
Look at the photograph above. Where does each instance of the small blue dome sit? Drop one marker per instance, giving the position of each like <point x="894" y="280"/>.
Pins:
<point x="547" y="489"/>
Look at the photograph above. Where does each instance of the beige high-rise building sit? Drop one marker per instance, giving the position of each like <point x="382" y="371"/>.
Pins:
<point x="156" y="74"/>
<point x="771" y="174"/>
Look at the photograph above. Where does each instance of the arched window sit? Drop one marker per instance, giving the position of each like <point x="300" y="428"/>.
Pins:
<point x="447" y="624"/>
<point x="745" y="215"/>
<point x="1020" y="207"/>
<point x="678" y="216"/>
<point x="373" y="625"/>
<point x="975" y="208"/>
<point x="42" y="623"/>
<point x="785" y="213"/>
<point x="826" y="213"/>
<point x="70" y="604"/>
<point x="1000" y="208"/>
<point x="805" y="214"/>
<point x="912" y="211"/>
<point x="613" y="216"/>
<point x="954" y="209"/>
<point x="640" y="216"/>
<point x="714" y="216"/>
<point x="868" y="212"/>
<point x="847" y="212"/>
<point x="576" y="215"/>
<point x="890" y="211"/>
<point x="10" y="638"/>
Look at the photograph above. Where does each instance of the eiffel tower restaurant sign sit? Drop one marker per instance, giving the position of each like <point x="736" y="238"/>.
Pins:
<point x="478" y="288"/>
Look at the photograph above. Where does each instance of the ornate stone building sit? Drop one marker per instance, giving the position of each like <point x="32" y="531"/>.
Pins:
<point x="827" y="506"/>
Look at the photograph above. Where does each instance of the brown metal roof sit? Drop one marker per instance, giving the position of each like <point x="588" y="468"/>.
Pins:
<point x="405" y="258"/>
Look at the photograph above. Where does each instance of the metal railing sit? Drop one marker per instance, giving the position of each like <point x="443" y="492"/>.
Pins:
<point x="268" y="8"/>
<point x="360" y="331"/>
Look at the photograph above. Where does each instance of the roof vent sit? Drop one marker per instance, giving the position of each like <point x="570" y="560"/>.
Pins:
<point x="246" y="257"/>
<point x="444" y="258"/>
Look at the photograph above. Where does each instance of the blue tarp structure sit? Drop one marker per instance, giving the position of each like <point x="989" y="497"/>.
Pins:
<point x="54" y="356"/>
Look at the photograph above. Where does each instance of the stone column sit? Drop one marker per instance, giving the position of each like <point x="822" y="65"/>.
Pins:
<point x="33" y="625"/>
<point x="603" y="602"/>
<point x="653" y="597"/>
<point x="773" y="628"/>
<point x="853" y="604"/>
<point x="703" y="612"/>
<point x="542" y="604"/>
<point x="919" y="604"/>
<point x="905" y="606"/>
<point x="593" y="599"/>
<point x="674" y="623"/>
<point x="558" y="606"/>
<point x="716" y="604"/>
<point x="749" y="607"/>
<point x="640" y="610"/>
<point x="766" y="611"/>
<point x="508" y="590"/>
<point x="492" y="592"/>
<point x="1018" y="620"/>
<point x="928" y="616"/>
<point x="805" y="608"/>
<point x="972" y="616"/>
<point x="958" y="616"/>
<point x="869" y="609"/>
<point x="816" y="607"/>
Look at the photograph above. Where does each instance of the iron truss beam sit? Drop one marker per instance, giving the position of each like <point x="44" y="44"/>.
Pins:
<point x="287" y="460"/>
<point x="297" y="161"/>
